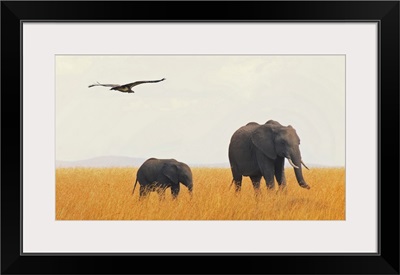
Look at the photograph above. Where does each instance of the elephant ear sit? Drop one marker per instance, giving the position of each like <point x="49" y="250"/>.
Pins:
<point x="263" y="139"/>
<point x="171" y="172"/>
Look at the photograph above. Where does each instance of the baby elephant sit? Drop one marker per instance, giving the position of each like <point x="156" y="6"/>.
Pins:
<point x="160" y="174"/>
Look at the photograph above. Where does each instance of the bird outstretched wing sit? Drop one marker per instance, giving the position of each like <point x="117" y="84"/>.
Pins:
<point x="105" y="85"/>
<point x="126" y="88"/>
<point x="133" y="84"/>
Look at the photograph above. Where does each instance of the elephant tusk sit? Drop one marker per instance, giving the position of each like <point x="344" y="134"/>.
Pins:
<point x="304" y="165"/>
<point x="291" y="163"/>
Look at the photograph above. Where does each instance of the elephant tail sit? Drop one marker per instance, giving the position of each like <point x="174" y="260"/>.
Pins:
<point x="133" y="191"/>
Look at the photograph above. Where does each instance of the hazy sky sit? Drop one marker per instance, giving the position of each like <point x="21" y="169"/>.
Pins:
<point x="192" y="115"/>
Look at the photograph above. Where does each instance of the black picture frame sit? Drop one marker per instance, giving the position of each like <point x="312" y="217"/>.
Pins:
<point x="386" y="13"/>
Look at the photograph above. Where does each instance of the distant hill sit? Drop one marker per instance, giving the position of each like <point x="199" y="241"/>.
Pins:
<point x="104" y="161"/>
<point x="122" y="161"/>
<point x="211" y="165"/>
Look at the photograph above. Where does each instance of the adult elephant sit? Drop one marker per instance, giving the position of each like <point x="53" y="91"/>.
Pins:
<point x="259" y="151"/>
<point x="160" y="174"/>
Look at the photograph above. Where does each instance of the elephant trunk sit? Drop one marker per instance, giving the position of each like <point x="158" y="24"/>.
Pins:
<point x="296" y="162"/>
<point x="190" y="187"/>
<point x="188" y="182"/>
<point x="186" y="178"/>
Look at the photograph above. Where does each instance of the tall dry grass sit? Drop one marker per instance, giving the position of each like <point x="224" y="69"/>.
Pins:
<point x="106" y="194"/>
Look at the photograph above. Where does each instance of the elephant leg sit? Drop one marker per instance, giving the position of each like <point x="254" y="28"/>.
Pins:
<point x="143" y="191"/>
<point x="237" y="179"/>
<point x="267" y="168"/>
<point x="256" y="183"/>
<point x="269" y="179"/>
<point x="280" y="172"/>
<point x="269" y="176"/>
<point x="161" y="193"/>
<point x="238" y="184"/>
<point x="175" y="190"/>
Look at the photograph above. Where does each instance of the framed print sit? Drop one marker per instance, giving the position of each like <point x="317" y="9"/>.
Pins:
<point x="237" y="135"/>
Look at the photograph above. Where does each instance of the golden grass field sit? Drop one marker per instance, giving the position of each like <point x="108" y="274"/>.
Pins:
<point x="106" y="194"/>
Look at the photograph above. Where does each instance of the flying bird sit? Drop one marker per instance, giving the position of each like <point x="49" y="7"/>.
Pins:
<point x="126" y="88"/>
